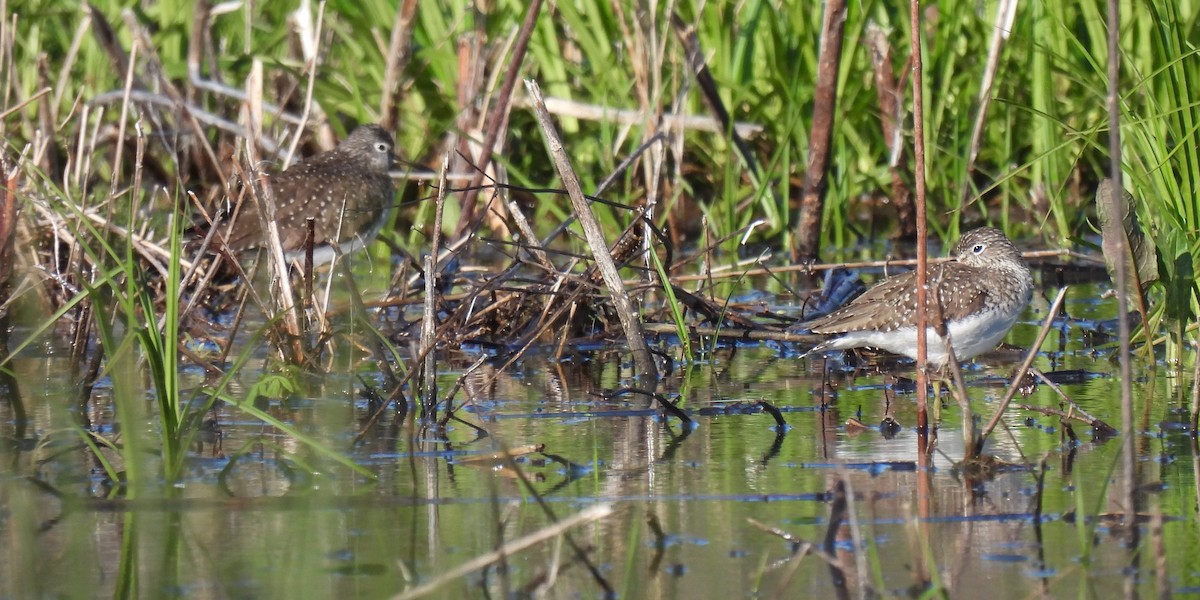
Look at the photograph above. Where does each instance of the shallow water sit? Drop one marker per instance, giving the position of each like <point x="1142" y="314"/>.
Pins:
<point x="260" y="515"/>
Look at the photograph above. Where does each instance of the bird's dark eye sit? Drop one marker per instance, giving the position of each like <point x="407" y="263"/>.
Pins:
<point x="381" y="147"/>
<point x="977" y="248"/>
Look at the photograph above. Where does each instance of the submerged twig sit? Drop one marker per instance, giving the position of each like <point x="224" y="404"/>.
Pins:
<point x="1075" y="408"/>
<point x="1014" y="385"/>
<point x="1072" y="415"/>
<point x="583" y="517"/>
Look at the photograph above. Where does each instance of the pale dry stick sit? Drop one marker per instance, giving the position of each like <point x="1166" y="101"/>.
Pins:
<point x="727" y="332"/>
<point x="75" y="176"/>
<point x="323" y="313"/>
<point x="311" y="59"/>
<point x="155" y="69"/>
<point x="439" y="209"/>
<point x="533" y="246"/>
<point x="201" y="251"/>
<point x="278" y="264"/>
<point x="398" y="54"/>
<point x="5" y="53"/>
<point x="630" y="117"/>
<point x="789" y="570"/>
<point x="428" y="315"/>
<point x="236" y="94"/>
<point x="153" y="74"/>
<point x="556" y="564"/>
<point x="1024" y="368"/>
<point x="286" y="300"/>
<point x="1006" y="12"/>
<point x="960" y="387"/>
<point x="139" y="156"/>
<point x="595" y="237"/>
<point x="676" y="145"/>
<point x="120" y="150"/>
<point x="801" y="544"/>
<point x="428" y="326"/>
<point x="31" y="99"/>
<point x="647" y="56"/>
<point x="603" y="186"/>
<point x="856" y="536"/>
<point x="652" y="168"/>
<point x="201" y="116"/>
<point x="146" y="247"/>
<point x="202" y="18"/>
<point x="583" y="517"/>
<point x="76" y="252"/>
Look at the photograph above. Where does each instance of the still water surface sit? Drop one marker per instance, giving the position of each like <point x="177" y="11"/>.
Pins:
<point x="260" y="516"/>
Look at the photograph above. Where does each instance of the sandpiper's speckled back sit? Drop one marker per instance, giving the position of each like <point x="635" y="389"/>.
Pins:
<point x="980" y="293"/>
<point x="347" y="191"/>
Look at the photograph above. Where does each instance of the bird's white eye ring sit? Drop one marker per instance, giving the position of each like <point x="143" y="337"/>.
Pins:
<point x="977" y="248"/>
<point x="381" y="147"/>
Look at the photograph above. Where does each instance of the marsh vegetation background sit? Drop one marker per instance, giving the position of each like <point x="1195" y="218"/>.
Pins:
<point x="173" y="429"/>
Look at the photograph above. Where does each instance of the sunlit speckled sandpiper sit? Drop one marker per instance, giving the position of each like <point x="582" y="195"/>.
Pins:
<point x="347" y="191"/>
<point x="982" y="290"/>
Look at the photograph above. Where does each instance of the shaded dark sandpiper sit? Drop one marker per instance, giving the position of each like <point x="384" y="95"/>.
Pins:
<point x="347" y="191"/>
<point x="981" y="290"/>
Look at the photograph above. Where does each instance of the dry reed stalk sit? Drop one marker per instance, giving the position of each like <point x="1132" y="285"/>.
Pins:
<point x="890" y="95"/>
<point x="498" y="117"/>
<point x="918" y="97"/>
<point x="1129" y="459"/>
<point x="398" y="55"/>
<point x="1006" y="12"/>
<point x="630" y="323"/>
<point x="260" y="190"/>
<point x="807" y="240"/>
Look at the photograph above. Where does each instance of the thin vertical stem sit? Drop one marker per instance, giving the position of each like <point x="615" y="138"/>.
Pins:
<point x="919" y="180"/>
<point x="1128" y="457"/>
